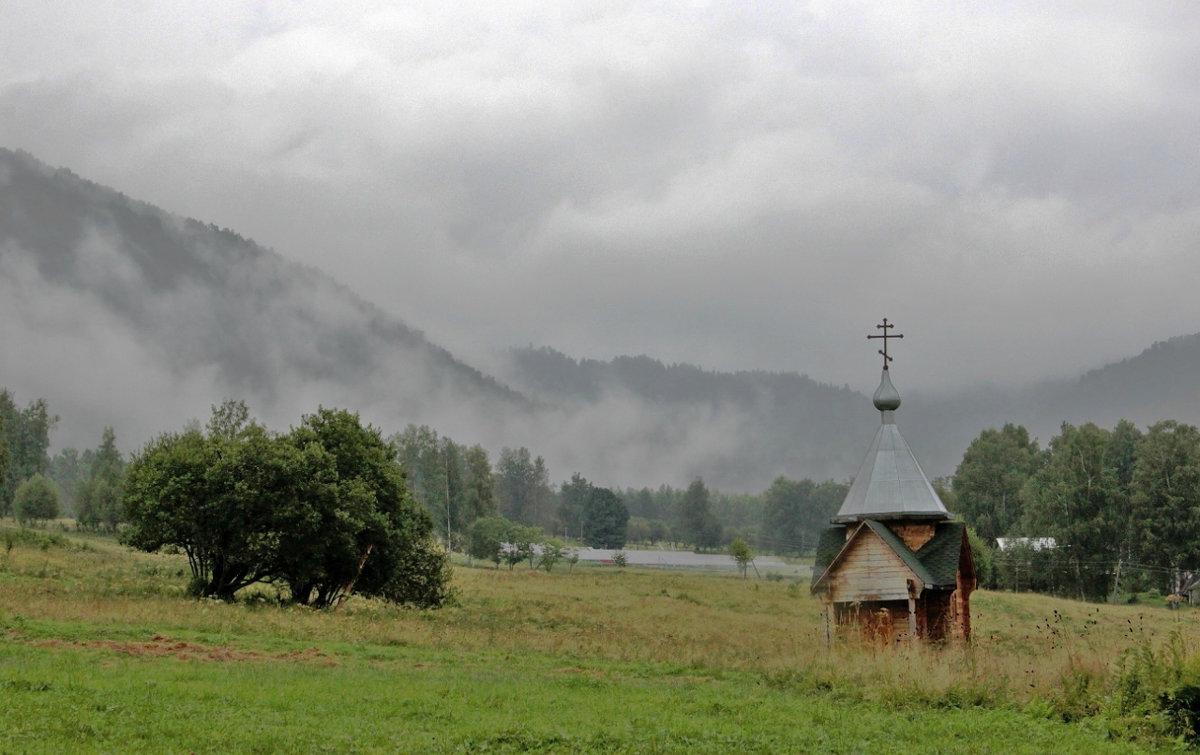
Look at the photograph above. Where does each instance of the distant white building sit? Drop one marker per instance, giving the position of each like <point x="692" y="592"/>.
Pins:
<point x="1037" y="543"/>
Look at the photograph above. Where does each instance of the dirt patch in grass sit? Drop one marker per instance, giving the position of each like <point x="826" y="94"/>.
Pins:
<point x="160" y="646"/>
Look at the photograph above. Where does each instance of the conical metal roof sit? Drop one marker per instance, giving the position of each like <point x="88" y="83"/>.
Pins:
<point x="890" y="483"/>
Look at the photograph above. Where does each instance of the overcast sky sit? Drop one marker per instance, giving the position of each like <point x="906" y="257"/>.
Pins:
<point x="734" y="185"/>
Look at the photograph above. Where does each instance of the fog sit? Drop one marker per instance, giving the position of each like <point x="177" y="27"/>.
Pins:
<point x="738" y="187"/>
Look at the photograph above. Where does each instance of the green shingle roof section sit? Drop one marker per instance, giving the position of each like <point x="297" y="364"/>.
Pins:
<point x="941" y="554"/>
<point x="830" y="544"/>
<point x="897" y="545"/>
<point x="936" y="563"/>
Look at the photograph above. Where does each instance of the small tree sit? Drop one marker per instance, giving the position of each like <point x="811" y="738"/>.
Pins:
<point x="524" y="541"/>
<point x="552" y="552"/>
<point x="620" y="559"/>
<point x="486" y="537"/>
<point x="741" y="554"/>
<point x="512" y="554"/>
<point x="35" y="501"/>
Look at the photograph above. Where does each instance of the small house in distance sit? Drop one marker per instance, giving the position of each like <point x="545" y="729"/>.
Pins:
<point x="894" y="565"/>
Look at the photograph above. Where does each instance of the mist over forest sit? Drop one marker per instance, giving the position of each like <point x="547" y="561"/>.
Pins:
<point x="122" y="315"/>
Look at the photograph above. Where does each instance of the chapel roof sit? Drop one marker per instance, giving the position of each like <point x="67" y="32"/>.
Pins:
<point x="935" y="563"/>
<point x="890" y="484"/>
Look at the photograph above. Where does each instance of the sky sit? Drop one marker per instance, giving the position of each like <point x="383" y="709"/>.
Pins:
<point x="732" y="185"/>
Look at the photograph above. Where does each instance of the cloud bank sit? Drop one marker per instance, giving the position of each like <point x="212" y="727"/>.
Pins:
<point x="738" y="187"/>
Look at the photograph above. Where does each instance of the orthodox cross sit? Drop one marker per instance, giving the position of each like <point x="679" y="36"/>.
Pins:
<point x="886" y="326"/>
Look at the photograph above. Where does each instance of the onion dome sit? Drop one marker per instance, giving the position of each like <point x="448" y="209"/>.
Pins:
<point x="886" y="398"/>
<point x="890" y="484"/>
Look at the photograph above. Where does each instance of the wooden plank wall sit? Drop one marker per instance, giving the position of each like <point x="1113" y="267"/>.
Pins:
<point x="870" y="570"/>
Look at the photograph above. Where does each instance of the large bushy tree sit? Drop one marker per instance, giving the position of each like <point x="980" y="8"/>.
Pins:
<point x="988" y="482"/>
<point x="375" y="534"/>
<point x="1076" y="498"/>
<point x="218" y="499"/>
<point x="322" y="509"/>
<point x="1166" y="498"/>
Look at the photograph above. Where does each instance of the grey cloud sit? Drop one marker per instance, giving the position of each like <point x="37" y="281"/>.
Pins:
<point x="729" y="186"/>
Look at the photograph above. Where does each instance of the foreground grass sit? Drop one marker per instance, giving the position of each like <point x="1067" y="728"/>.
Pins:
<point x="102" y="652"/>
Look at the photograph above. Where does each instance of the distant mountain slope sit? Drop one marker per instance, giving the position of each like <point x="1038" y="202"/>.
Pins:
<point x="122" y="314"/>
<point x="789" y="424"/>
<point x="1163" y="382"/>
<point x="777" y="423"/>
<point x="197" y="300"/>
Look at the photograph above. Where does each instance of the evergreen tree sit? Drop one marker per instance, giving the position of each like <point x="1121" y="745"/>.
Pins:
<point x="523" y="492"/>
<point x="572" y="502"/>
<point x="696" y="521"/>
<point x="478" y="485"/>
<point x="98" y="497"/>
<point x="26" y="435"/>
<point x="789" y="515"/>
<point x="605" y="519"/>
<point x="67" y="471"/>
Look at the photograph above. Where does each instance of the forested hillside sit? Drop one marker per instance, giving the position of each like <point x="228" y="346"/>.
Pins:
<point x="805" y="428"/>
<point x="122" y="315"/>
<point x="789" y="424"/>
<point x="108" y="297"/>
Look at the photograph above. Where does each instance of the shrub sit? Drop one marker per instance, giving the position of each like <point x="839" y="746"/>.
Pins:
<point x="36" y="500"/>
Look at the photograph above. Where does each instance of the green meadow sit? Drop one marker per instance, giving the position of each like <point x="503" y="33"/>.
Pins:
<point x="103" y="652"/>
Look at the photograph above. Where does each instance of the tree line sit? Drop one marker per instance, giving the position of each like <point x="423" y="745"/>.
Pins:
<point x="458" y="485"/>
<point x="1121" y="505"/>
<point x="319" y="511"/>
<point x="455" y="485"/>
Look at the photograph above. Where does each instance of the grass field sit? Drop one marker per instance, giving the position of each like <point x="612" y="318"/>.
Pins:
<point x="102" y="651"/>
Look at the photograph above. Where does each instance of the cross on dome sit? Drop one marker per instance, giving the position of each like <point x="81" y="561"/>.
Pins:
<point x="885" y="336"/>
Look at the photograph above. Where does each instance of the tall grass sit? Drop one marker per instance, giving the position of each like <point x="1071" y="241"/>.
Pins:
<point x="1134" y="670"/>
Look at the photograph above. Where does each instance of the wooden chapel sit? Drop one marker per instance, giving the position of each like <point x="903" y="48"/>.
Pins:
<point x="894" y="565"/>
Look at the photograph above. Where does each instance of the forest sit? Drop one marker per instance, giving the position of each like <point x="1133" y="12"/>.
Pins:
<point x="1096" y="514"/>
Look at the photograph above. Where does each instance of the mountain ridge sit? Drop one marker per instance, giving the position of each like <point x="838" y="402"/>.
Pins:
<point x="122" y="314"/>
